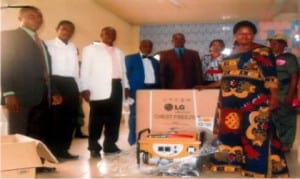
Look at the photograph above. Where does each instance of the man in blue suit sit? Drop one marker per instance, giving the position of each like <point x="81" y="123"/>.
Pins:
<point x="142" y="73"/>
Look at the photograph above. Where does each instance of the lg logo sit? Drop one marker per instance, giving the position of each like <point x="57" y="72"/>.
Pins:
<point x="170" y="107"/>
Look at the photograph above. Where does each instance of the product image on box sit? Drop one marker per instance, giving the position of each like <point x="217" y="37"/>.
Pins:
<point x="169" y="145"/>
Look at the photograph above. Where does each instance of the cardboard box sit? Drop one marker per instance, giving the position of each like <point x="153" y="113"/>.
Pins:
<point x="179" y="110"/>
<point x="20" y="155"/>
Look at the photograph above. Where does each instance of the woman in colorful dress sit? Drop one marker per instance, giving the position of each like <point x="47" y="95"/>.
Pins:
<point x="212" y="72"/>
<point x="248" y="94"/>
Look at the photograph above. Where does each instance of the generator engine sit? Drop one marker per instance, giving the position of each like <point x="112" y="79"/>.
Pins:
<point x="170" y="145"/>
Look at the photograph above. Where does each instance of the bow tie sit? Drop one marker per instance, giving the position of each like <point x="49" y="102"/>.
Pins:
<point x="145" y="56"/>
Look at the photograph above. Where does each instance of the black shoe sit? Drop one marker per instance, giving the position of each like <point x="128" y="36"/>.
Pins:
<point x="68" y="156"/>
<point x="95" y="154"/>
<point x="45" y="169"/>
<point x="79" y="134"/>
<point x="114" y="151"/>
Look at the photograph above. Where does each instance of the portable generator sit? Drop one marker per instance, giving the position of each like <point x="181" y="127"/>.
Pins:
<point x="171" y="145"/>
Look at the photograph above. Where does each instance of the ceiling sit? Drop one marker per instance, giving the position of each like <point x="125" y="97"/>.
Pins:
<point x="147" y="12"/>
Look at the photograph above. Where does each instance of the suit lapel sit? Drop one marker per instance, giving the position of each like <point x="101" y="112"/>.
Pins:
<point x="141" y="65"/>
<point x="32" y="43"/>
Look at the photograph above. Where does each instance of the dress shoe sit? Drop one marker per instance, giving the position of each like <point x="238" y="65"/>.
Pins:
<point x="45" y="169"/>
<point x="67" y="155"/>
<point x="95" y="154"/>
<point x="114" y="151"/>
<point x="81" y="136"/>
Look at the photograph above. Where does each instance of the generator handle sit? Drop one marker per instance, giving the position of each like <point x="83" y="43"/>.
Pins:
<point x="202" y="138"/>
<point x="142" y="131"/>
<point x="138" y="145"/>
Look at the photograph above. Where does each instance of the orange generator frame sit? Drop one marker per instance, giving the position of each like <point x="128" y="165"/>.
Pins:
<point x="171" y="145"/>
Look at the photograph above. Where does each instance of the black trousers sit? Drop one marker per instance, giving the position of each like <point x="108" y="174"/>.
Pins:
<point x="106" y="114"/>
<point x="32" y="121"/>
<point x="65" y="115"/>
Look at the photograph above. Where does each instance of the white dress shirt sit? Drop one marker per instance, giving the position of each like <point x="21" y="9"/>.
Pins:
<point x="148" y="70"/>
<point x="64" y="59"/>
<point x="96" y="72"/>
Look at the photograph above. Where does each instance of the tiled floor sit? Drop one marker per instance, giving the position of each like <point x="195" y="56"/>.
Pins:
<point x="124" y="165"/>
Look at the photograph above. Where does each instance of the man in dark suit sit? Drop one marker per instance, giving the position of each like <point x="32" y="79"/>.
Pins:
<point x="142" y="73"/>
<point x="25" y="78"/>
<point x="180" y="68"/>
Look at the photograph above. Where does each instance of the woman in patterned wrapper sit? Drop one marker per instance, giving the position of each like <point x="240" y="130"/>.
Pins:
<point x="248" y="94"/>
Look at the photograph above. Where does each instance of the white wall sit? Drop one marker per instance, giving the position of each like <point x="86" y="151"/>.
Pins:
<point x="88" y="16"/>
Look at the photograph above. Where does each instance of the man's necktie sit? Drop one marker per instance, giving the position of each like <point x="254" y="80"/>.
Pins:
<point x="39" y="44"/>
<point x="145" y="56"/>
<point x="46" y="72"/>
<point x="180" y="52"/>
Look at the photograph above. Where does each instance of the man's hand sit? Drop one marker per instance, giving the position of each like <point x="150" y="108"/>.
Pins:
<point x="12" y="103"/>
<point x="199" y="87"/>
<point x="127" y="93"/>
<point x="86" y="95"/>
<point x="57" y="100"/>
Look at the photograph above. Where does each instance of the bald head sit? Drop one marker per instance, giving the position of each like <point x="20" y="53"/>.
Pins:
<point x="108" y="35"/>
<point x="30" y="17"/>
<point x="146" y="46"/>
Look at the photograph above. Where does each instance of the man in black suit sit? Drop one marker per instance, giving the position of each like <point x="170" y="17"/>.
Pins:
<point x="25" y="78"/>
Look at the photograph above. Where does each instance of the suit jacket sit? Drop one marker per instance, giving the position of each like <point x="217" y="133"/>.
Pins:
<point x="136" y="74"/>
<point x="22" y="67"/>
<point x="96" y="71"/>
<point x="176" y="73"/>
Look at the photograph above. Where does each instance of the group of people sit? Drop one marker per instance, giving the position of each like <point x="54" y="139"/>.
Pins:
<point x="42" y="84"/>
<point x="256" y="119"/>
<point x="251" y="94"/>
